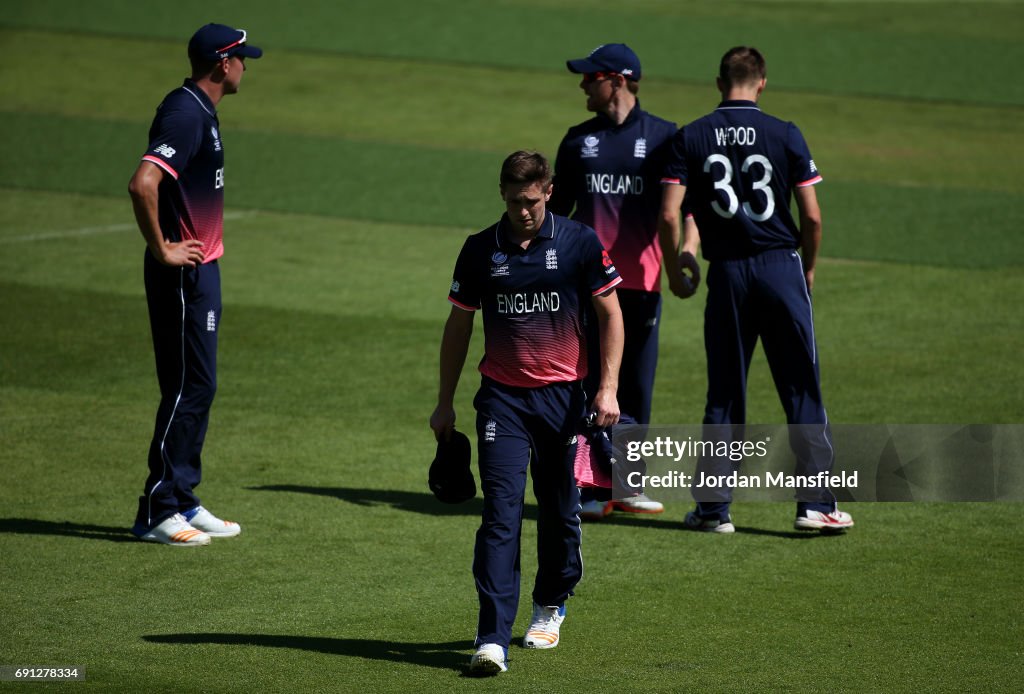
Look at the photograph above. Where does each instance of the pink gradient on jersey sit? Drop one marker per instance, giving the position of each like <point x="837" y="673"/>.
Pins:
<point x="588" y="471"/>
<point x="532" y="351"/>
<point x="201" y="219"/>
<point x="204" y="222"/>
<point x="637" y="254"/>
<point x="809" y="182"/>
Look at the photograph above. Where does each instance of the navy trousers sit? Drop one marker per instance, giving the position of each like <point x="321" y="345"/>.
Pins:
<point x="519" y="428"/>
<point x="184" y="316"/>
<point x="764" y="297"/>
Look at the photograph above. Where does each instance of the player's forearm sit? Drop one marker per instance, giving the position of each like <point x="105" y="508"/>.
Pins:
<point x="145" y="193"/>
<point x="612" y="335"/>
<point x="668" y="239"/>
<point x="669" y="232"/>
<point x="810" y="225"/>
<point x="454" y="348"/>
<point x="810" y="240"/>
<point x="150" y="229"/>
<point x="691" y="236"/>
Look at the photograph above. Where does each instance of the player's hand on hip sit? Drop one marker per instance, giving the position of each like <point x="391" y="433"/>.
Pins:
<point x="188" y="253"/>
<point x="442" y="421"/>
<point x="606" y="408"/>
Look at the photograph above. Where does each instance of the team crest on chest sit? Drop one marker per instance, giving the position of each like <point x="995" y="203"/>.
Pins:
<point x="551" y="259"/>
<point x="640" y="148"/>
<point x="216" y="138"/>
<point x="499" y="264"/>
<point x="590" y="143"/>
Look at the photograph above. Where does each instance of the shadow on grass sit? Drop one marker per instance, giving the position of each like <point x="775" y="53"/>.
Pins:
<point x="436" y="655"/>
<point x="656" y="522"/>
<point x="416" y="502"/>
<point x="31" y="526"/>
<point x="425" y="503"/>
<point x="785" y="534"/>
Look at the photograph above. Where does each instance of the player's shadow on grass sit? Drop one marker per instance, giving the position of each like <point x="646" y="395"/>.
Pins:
<point x="425" y="503"/>
<point x="436" y="655"/>
<point x="785" y="534"/>
<point x="31" y="526"/>
<point x="417" y="502"/>
<point x="658" y="522"/>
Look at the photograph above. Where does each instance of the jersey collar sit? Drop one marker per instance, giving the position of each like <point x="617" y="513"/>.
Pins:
<point x="200" y="96"/>
<point x="738" y="103"/>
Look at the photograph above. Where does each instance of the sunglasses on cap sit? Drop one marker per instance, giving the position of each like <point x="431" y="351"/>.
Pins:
<point x="234" y="44"/>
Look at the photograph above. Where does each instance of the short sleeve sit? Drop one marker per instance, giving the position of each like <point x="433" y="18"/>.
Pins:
<point x="805" y="172"/>
<point x="599" y="269"/>
<point x="465" y="290"/>
<point x="175" y="138"/>
<point x="674" y="170"/>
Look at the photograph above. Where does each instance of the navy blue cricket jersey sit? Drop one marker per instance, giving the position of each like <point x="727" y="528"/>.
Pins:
<point x="532" y="299"/>
<point x="184" y="141"/>
<point x="740" y="166"/>
<point x="610" y="174"/>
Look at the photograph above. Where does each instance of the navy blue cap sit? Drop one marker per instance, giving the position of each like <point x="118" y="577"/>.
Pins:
<point x="215" y="42"/>
<point x="450" y="476"/>
<point x="610" y="57"/>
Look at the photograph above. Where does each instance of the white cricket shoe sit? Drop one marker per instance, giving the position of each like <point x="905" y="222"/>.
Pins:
<point x="641" y="503"/>
<point x="594" y="510"/>
<point x="202" y="519"/>
<point x="544" y="626"/>
<point x="834" y="522"/>
<point x="489" y="659"/>
<point x="176" y="532"/>
<point x="705" y="525"/>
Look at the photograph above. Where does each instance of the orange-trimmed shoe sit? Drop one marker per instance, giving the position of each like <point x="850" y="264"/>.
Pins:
<point x="834" y="522"/>
<point x="176" y="532"/>
<point x="544" y="626"/>
<point x="203" y="520"/>
<point x="640" y="503"/>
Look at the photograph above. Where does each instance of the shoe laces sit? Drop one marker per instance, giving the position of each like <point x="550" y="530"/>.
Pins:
<point x="544" y="617"/>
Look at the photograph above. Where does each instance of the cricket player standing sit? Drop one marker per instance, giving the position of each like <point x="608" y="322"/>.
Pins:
<point x="530" y="274"/>
<point x="178" y="196"/>
<point x="738" y="169"/>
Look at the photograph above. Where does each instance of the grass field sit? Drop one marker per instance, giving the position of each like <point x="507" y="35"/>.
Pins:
<point x="361" y="150"/>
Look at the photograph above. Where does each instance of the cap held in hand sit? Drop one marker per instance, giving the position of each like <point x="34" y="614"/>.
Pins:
<point x="450" y="477"/>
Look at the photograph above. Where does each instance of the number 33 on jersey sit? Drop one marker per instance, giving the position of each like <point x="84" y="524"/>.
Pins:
<point x="739" y="165"/>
